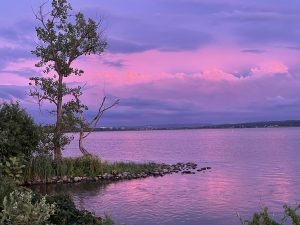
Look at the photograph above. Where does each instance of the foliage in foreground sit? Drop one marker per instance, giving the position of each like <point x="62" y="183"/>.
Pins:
<point x="67" y="214"/>
<point x="7" y="185"/>
<point x="13" y="168"/>
<point x="291" y="216"/>
<point x="19" y="208"/>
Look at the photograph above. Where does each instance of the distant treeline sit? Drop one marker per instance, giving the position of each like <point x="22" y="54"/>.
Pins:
<point x="286" y="123"/>
<point x="261" y="124"/>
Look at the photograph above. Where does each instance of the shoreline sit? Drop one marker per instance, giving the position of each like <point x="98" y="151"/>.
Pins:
<point x="242" y="125"/>
<point x="161" y="170"/>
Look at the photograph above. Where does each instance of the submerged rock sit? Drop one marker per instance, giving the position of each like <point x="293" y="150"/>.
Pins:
<point x="186" y="172"/>
<point x="204" y="168"/>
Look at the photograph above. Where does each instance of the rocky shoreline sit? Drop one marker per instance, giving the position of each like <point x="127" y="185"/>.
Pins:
<point x="160" y="170"/>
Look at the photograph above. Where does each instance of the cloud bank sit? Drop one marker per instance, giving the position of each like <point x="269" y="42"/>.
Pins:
<point x="173" y="61"/>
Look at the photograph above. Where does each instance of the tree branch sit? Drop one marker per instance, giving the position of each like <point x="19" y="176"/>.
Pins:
<point x="101" y="110"/>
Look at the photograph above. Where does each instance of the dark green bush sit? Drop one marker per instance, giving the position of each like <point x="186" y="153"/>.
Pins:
<point x="67" y="214"/>
<point x="7" y="185"/>
<point x="18" y="133"/>
<point x="12" y="167"/>
<point x="19" y="208"/>
<point x="65" y="211"/>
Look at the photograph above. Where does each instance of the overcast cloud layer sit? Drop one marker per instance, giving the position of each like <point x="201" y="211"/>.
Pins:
<point x="172" y="61"/>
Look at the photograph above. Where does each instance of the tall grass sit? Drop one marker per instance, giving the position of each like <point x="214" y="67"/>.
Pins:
<point x="291" y="217"/>
<point x="45" y="168"/>
<point x="133" y="168"/>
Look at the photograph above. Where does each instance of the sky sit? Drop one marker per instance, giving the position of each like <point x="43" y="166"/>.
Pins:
<point x="171" y="61"/>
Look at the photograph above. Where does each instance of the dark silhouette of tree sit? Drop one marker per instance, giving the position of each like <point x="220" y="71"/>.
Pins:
<point x="63" y="38"/>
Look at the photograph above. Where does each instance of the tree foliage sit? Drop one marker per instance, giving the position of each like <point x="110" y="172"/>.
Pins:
<point x="63" y="38"/>
<point x="19" y="136"/>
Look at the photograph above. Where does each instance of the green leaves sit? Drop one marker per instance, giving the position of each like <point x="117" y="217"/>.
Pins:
<point x="292" y="214"/>
<point x="67" y="214"/>
<point x="19" y="208"/>
<point x="63" y="38"/>
<point x="13" y="167"/>
<point x="19" y="136"/>
<point x="264" y="218"/>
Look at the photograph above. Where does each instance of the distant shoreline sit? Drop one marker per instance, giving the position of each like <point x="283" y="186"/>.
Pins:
<point x="263" y="124"/>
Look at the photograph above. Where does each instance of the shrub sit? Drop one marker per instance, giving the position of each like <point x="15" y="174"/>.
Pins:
<point x="19" y="208"/>
<point x="23" y="207"/>
<point x="13" y="168"/>
<point x="67" y="214"/>
<point x="18" y="134"/>
<point x="7" y="185"/>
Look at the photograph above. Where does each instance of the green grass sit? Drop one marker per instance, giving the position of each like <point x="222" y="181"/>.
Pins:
<point x="45" y="168"/>
<point x="291" y="216"/>
<point x="130" y="167"/>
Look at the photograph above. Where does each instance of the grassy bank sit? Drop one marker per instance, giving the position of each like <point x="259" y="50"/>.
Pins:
<point x="45" y="168"/>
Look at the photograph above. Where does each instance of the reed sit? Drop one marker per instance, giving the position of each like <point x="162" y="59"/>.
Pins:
<point x="291" y="217"/>
<point x="131" y="167"/>
<point x="45" y="168"/>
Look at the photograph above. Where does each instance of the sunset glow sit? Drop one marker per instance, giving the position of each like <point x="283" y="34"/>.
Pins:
<point x="189" y="61"/>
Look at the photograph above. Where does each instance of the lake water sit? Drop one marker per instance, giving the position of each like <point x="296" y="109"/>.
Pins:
<point x="251" y="168"/>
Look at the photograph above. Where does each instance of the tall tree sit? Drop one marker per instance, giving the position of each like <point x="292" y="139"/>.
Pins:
<point x="63" y="38"/>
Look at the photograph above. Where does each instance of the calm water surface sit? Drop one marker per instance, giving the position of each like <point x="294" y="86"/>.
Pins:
<point x="251" y="168"/>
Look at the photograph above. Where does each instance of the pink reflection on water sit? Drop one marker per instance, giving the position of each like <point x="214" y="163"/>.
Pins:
<point x="251" y="168"/>
<point x="218" y="187"/>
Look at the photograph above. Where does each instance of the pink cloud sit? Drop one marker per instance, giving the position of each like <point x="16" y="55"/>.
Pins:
<point x="218" y="75"/>
<point x="211" y="63"/>
<point x="212" y="79"/>
<point x="214" y="63"/>
<point x="270" y="69"/>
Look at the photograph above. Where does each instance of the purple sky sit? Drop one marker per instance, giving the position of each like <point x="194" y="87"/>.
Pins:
<point x="173" y="61"/>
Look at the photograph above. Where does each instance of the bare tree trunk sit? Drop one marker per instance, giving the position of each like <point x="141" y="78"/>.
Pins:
<point x="81" y="148"/>
<point x="58" y="126"/>
<point x="81" y="137"/>
<point x="92" y="123"/>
